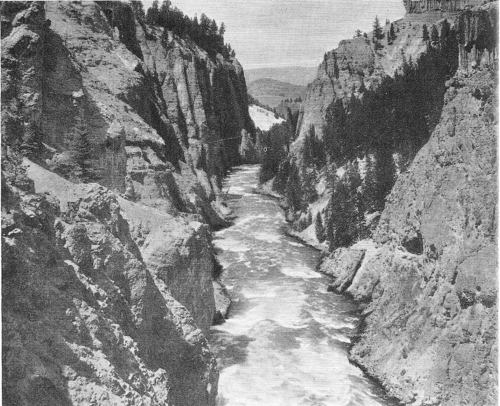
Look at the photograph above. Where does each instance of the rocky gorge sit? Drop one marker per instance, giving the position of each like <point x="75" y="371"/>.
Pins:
<point x="418" y="249"/>
<point x="115" y="137"/>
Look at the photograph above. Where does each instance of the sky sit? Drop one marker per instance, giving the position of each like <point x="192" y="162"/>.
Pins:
<point x="278" y="33"/>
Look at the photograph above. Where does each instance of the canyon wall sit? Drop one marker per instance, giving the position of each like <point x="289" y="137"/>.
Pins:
<point x="115" y="137"/>
<point x="422" y="261"/>
<point x="430" y="277"/>
<point x="423" y="6"/>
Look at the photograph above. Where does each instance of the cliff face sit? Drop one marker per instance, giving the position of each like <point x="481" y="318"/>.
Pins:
<point x="372" y="106"/>
<point x="164" y="120"/>
<point x="426" y="272"/>
<point x="88" y="317"/>
<point x="423" y="6"/>
<point x="431" y="276"/>
<point x="114" y="140"/>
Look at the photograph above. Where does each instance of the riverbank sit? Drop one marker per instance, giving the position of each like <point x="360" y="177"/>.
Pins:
<point x="287" y="338"/>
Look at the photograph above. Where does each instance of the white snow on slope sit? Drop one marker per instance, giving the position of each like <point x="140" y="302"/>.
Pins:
<point x="263" y="119"/>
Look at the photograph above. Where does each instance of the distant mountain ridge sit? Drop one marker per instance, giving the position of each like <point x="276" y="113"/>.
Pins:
<point x="297" y="75"/>
<point x="271" y="92"/>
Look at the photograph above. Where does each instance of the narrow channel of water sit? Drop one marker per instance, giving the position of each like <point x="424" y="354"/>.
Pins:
<point x="286" y="340"/>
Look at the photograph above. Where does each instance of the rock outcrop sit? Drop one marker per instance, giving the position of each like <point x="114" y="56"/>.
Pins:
<point x="430" y="331"/>
<point x="164" y="120"/>
<point x="88" y="318"/>
<point x="373" y="101"/>
<point x="425" y="6"/>
<point x="424" y="266"/>
<point x="115" y="136"/>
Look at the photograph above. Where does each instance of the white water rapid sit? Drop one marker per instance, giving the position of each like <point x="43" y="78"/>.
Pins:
<point x="286" y="340"/>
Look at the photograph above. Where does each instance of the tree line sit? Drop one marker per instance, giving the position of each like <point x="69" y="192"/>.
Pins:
<point x="204" y="32"/>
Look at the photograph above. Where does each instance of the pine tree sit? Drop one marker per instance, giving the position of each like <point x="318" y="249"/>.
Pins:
<point x="445" y="32"/>
<point x="138" y="8"/>
<point x="222" y="29"/>
<point x="358" y="33"/>
<point x="434" y="35"/>
<point x="307" y="181"/>
<point x="163" y="14"/>
<point x="391" y="35"/>
<point x="319" y="229"/>
<point x="378" y="33"/>
<point x="204" y="24"/>
<point x="379" y="179"/>
<point x="355" y="182"/>
<point x="213" y="29"/>
<point x="80" y="150"/>
<point x="293" y="188"/>
<point x="385" y="169"/>
<point x="425" y="33"/>
<point x="370" y="186"/>
<point x="341" y="216"/>
<point x="153" y="14"/>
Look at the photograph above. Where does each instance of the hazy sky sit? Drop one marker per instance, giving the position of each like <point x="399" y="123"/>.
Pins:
<point x="268" y="33"/>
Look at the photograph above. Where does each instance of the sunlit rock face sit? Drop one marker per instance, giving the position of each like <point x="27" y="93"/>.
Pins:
<point x="108" y="285"/>
<point x="430" y="275"/>
<point x="427" y="272"/>
<point x="164" y="119"/>
<point x="87" y="314"/>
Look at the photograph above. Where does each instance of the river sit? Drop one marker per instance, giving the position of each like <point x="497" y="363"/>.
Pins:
<point x="286" y="340"/>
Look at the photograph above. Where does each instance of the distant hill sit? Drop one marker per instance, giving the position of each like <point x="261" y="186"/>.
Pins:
<point x="271" y="92"/>
<point x="297" y="75"/>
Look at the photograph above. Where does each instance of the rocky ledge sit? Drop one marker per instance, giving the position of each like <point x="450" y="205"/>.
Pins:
<point x="429" y="278"/>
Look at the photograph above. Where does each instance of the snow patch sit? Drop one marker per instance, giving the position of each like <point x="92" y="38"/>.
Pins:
<point x="262" y="118"/>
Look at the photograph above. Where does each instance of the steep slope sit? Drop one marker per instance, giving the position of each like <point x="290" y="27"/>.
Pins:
<point x="431" y="279"/>
<point x="426" y="272"/>
<point x="115" y="136"/>
<point x="156" y="116"/>
<point x="373" y="105"/>
<point x="87" y="314"/>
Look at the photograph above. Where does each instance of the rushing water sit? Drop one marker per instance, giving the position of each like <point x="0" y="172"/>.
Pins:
<point x="286" y="340"/>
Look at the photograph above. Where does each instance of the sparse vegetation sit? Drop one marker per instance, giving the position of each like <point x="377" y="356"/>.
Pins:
<point x="205" y="32"/>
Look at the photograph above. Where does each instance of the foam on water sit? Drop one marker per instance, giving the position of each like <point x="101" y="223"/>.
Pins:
<point x="231" y="245"/>
<point x="299" y="271"/>
<point x="268" y="237"/>
<point x="284" y="343"/>
<point x="295" y="244"/>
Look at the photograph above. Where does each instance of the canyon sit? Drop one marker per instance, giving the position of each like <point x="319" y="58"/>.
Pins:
<point x="117" y="135"/>
<point x="115" y="138"/>
<point x="420" y="256"/>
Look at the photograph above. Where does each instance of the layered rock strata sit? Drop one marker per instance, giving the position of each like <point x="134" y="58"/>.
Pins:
<point x="108" y="266"/>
